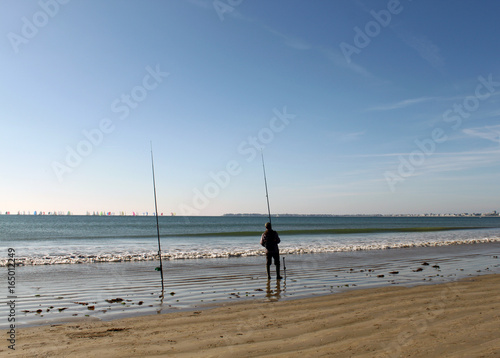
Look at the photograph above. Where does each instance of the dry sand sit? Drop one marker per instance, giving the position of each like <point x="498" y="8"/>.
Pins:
<point x="458" y="319"/>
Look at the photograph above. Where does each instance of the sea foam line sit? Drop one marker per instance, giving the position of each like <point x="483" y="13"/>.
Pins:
<point x="213" y="254"/>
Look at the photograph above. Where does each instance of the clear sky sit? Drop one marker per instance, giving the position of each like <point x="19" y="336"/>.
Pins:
<point x="360" y="106"/>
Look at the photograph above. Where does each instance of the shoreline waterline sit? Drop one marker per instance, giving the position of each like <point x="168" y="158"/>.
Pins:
<point x="52" y="294"/>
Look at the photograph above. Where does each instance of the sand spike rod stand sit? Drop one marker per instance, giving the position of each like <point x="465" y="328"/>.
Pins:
<point x="157" y="225"/>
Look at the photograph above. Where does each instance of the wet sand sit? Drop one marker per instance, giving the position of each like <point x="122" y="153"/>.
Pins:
<point x="57" y="294"/>
<point x="454" y="319"/>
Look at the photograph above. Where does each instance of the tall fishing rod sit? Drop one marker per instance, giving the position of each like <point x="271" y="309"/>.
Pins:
<point x="157" y="224"/>
<point x="265" y="183"/>
<point x="267" y="197"/>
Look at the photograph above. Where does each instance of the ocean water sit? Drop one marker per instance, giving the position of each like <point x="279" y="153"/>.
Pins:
<point x="42" y="240"/>
<point x="73" y="268"/>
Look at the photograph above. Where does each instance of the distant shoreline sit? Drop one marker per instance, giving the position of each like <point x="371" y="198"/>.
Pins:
<point x="467" y="215"/>
<point x="369" y="215"/>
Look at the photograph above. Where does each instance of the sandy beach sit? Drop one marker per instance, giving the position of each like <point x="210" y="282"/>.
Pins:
<point x="455" y="319"/>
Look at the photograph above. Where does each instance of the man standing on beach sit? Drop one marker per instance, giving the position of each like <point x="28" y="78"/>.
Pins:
<point x="270" y="241"/>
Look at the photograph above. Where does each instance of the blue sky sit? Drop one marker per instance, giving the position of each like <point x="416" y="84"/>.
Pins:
<point x="360" y="106"/>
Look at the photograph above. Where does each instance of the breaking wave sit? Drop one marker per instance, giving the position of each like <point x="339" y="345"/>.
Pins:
<point x="211" y="253"/>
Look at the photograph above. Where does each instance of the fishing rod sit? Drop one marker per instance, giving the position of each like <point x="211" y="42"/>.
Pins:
<point x="157" y="224"/>
<point x="265" y="183"/>
<point x="267" y="197"/>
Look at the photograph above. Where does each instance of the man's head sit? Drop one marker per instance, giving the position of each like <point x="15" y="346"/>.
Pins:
<point x="268" y="226"/>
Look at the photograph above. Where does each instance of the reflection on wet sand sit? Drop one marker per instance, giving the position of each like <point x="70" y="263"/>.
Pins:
<point x="275" y="295"/>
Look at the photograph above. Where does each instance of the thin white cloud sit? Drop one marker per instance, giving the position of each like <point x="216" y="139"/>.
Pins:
<point x="332" y="55"/>
<point x="490" y="114"/>
<point x="426" y="49"/>
<point x="296" y="43"/>
<point x="486" y="152"/>
<point x="290" y="41"/>
<point x="454" y="162"/>
<point x="457" y="166"/>
<point x="491" y="133"/>
<point x="434" y="164"/>
<point x="346" y="136"/>
<point x="221" y="10"/>
<point x="293" y="42"/>
<point x="414" y="101"/>
<point x="339" y="60"/>
<point x="205" y="4"/>
<point x="450" y="167"/>
<point x="402" y="104"/>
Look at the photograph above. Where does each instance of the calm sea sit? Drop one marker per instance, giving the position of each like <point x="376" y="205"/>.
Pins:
<point x="73" y="268"/>
<point x="87" y="239"/>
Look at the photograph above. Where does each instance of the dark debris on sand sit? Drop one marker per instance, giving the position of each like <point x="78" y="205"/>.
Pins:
<point x="115" y="300"/>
